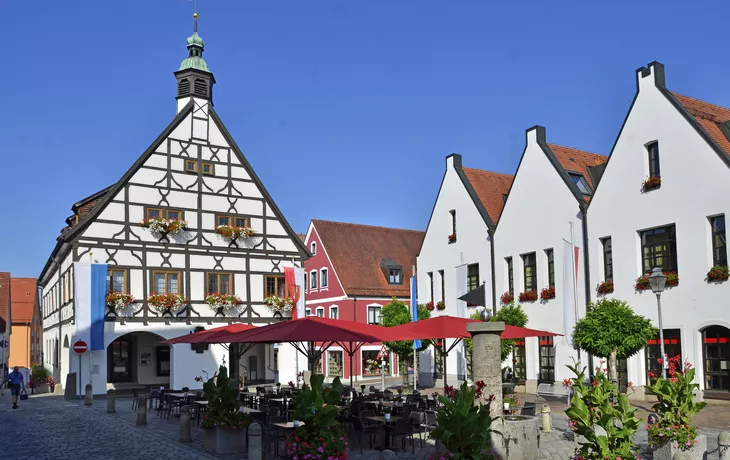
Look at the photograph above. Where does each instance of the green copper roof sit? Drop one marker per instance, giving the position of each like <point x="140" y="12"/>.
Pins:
<point x="195" y="39"/>
<point x="195" y="54"/>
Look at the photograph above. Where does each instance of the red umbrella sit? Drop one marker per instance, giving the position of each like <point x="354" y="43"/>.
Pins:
<point x="211" y="335"/>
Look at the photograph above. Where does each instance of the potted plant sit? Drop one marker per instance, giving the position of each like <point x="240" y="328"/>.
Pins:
<point x="185" y="391"/>
<point x="441" y="305"/>
<point x="167" y="303"/>
<point x="117" y="300"/>
<point x="386" y="413"/>
<point x="651" y="183"/>
<point x="605" y="287"/>
<point x="292" y="385"/>
<point x="547" y="293"/>
<point x="223" y="422"/>
<point x="642" y="283"/>
<point x="718" y="273"/>
<point x="510" y="401"/>
<point x="320" y="437"/>
<point x="278" y="387"/>
<point x="507" y="298"/>
<point x="676" y="406"/>
<point x="221" y="302"/>
<point x="528" y="296"/>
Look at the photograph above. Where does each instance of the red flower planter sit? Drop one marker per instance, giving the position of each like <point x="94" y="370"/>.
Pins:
<point x="547" y="293"/>
<point x="605" y="287"/>
<point x="507" y="298"/>
<point x="528" y="296"/>
<point x="718" y="273"/>
<point x="651" y="183"/>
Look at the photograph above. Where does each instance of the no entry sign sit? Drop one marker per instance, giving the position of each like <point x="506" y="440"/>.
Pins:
<point x="80" y="347"/>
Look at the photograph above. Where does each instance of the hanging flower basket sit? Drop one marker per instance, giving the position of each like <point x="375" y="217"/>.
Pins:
<point x="279" y="304"/>
<point x="507" y="298"/>
<point x="441" y="305"/>
<point x="429" y="306"/>
<point x="718" y="273"/>
<point x="165" y="227"/>
<point x="452" y="238"/>
<point x="651" y="183"/>
<point x="547" y="293"/>
<point x="222" y="301"/>
<point x="117" y="301"/>
<point x="227" y="231"/>
<point x="528" y="296"/>
<point x="167" y="303"/>
<point x="605" y="287"/>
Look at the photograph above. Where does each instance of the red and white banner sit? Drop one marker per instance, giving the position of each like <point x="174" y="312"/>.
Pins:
<point x="570" y="282"/>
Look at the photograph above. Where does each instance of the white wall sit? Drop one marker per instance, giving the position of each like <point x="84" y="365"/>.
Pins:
<point x="694" y="186"/>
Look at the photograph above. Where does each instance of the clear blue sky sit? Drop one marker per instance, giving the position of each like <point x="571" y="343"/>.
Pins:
<point x="346" y="109"/>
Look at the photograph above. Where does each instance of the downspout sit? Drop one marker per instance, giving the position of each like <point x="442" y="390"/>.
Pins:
<point x="587" y="272"/>
<point x="354" y="319"/>
<point x="490" y="232"/>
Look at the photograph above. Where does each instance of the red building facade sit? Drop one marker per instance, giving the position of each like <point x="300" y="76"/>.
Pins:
<point x="355" y="270"/>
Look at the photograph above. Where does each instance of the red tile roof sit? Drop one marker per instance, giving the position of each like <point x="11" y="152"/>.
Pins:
<point x="708" y="116"/>
<point x="577" y="160"/>
<point x="22" y="296"/>
<point x="356" y="252"/>
<point x="4" y="299"/>
<point x="490" y="188"/>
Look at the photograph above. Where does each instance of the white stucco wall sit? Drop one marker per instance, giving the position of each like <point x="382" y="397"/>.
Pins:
<point x="694" y="187"/>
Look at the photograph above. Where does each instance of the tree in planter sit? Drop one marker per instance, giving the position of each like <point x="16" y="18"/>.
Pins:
<point x="610" y="329"/>
<point x="394" y="314"/>
<point x="222" y="395"/>
<point x="511" y="314"/>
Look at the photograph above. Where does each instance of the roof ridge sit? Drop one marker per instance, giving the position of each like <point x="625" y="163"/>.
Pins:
<point x="700" y="100"/>
<point x="488" y="171"/>
<point x="367" y="225"/>
<point x="550" y="144"/>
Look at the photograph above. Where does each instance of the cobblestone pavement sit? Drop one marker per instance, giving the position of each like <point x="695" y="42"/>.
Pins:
<point x="47" y="427"/>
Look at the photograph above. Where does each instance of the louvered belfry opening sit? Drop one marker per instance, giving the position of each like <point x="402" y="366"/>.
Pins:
<point x="183" y="87"/>
<point x="200" y="87"/>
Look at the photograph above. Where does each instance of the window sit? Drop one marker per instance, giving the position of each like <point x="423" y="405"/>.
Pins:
<point x="306" y="285"/>
<point x="547" y="360"/>
<point x="313" y="247"/>
<point x="510" y="276"/>
<point x="334" y="312"/>
<point x="323" y="278"/>
<point x="374" y="314"/>
<point x="320" y="312"/>
<point x="191" y="166"/>
<point x="163" y="361"/>
<point x="232" y="221"/>
<point x="208" y="168"/>
<point x="607" y="258"/>
<point x="443" y="286"/>
<point x="313" y="279"/>
<point x="581" y="183"/>
<point x="117" y="280"/>
<point x="165" y="282"/>
<point x="219" y="283"/>
<point x="307" y="312"/>
<point x="719" y="242"/>
<point x="519" y="360"/>
<point x="452" y="238"/>
<point x="551" y="267"/>
<point x="530" y="271"/>
<point x="275" y="285"/>
<point x="395" y="276"/>
<point x="659" y="249"/>
<point x="161" y="213"/>
<point x="472" y="277"/>
<point x="430" y="284"/>
<point x="653" y="150"/>
<point x="672" y="348"/>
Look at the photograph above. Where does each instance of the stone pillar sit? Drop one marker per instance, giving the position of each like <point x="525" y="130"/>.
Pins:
<point x="682" y="455"/>
<point x="111" y="406"/>
<point x="723" y="444"/>
<point x="486" y="360"/>
<point x="89" y="397"/>
<point x="185" y="425"/>
<point x="142" y="411"/>
<point x="255" y="432"/>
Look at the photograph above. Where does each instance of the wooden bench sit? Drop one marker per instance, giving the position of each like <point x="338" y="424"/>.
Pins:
<point x="551" y="390"/>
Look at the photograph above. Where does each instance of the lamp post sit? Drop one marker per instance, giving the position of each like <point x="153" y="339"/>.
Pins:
<point x="657" y="280"/>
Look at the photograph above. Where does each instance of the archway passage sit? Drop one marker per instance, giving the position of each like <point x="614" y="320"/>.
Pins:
<point x="138" y="359"/>
<point x="716" y="359"/>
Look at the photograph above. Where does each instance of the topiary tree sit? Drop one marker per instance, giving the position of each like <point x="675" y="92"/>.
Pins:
<point x="394" y="314"/>
<point x="611" y="329"/>
<point x="510" y="314"/>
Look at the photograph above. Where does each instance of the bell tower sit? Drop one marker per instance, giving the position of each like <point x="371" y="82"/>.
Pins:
<point x="194" y="79"/>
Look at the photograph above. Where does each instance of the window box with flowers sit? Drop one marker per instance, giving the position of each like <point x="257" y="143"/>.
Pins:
<point x="441" y="305"/>
<point x="507" y="298"/>
<point x="233" y="233"/>
<point x="429" y="306"/>
<point x="167" y="303"/>
<point x="528" y="296"/>
<point x="279" y="305"/>
<point x="651" y="183"/>
<point x="116" y="301"/>
<point x="718" y="273"/>
<point x="547" y="293"/>
<point x="605" y="287"/>
<point x="221" y="302"/>
<point x="452" y="238"/>
<point x="165" y="227"/>
<point x="642" y="282"/>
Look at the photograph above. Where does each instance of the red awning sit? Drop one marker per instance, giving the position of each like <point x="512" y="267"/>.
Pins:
<point x="451" y="327"/>
<point x="215" y="335"/>
<point x="313" y="329"/>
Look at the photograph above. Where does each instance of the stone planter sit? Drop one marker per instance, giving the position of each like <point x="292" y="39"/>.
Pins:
<point x="224" y="440"/>
<point x="520" y="437"/>
<point x="42" y="389"/>
<point x="667" y="450"/>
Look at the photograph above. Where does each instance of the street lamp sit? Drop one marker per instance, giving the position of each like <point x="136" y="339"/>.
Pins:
<point x="657" y="280"/>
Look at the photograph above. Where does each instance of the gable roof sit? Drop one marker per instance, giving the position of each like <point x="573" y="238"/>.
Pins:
<point x="22" y="298"/>
<point x="491" y="188"/>
<point x="715" y="120"/>
<point x="357" y="252"/>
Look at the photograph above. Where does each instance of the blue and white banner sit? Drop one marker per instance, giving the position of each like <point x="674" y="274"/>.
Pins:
<point x="414" y="307"/>
<point x="90" y="281"/>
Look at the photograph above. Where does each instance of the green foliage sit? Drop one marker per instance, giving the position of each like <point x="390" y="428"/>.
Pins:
<point x="676" y="406"/>
<point x="39" y="373"/>
<point x="511" y="314"/>
<point x="396" y="313"/>
<point x="601" y="404"/>
<point x="610" y="325"/>
<point x="222" y="395"/>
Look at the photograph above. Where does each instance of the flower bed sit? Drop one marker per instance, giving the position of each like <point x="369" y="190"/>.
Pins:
<point x="441" y="305"/>
<point x="429" y="306"/>
<point x="279" y="304"/>
<point x="718" y="273"/>
<point x="117" y="300"/>
<point x="605" y="287"/>
<point x="507" y="298"/>
<point x="164" y="226"/>
<point x="227" y="231"/>
<point x="547" y="293"/>
<point x="165" y="303"/>
<point x="528" y="296"/>
<point x="651" y="183"/>
<point x="216" y="301"/>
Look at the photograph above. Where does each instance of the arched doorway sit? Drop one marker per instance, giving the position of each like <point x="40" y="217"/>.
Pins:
<point x="716" y="358"/>
<point x="138" y="358"/>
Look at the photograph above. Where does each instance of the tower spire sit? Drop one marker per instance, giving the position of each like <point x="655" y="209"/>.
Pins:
<point x="194" y="79"/>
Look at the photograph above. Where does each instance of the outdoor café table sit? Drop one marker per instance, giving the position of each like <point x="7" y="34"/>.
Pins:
<point x="247" y="410"/>
<point x="286" y="425"/>
<point x="386" y="426"/>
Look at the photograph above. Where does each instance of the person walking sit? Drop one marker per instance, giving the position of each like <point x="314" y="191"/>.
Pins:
<point x="15" y="382"/>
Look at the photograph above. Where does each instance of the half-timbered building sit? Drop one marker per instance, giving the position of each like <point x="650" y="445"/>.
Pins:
<point x="190" y="218"/>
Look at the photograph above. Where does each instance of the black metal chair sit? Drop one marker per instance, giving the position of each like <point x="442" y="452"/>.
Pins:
<point x="403" y="429"/>
<point x="361" y="429"/>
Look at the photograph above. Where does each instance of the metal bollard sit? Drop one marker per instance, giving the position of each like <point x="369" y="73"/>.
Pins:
<point x="547" y="423"/>
<point x="682" y="455"/>
<point x="89" y="398"/>
<point x="723" y="445"/>
<point x="111" y="402"/>
<point x="185" y="425"/>
<point x="255" y="433"/>
<point x="142" y="411"/>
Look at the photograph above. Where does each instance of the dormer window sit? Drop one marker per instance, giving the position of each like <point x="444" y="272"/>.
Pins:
<point x="581" y="183"/>
<point x="395" y="276"/>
